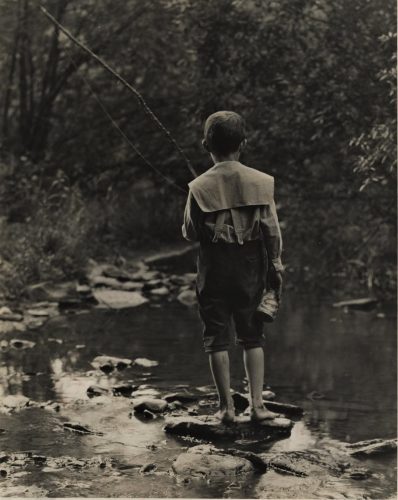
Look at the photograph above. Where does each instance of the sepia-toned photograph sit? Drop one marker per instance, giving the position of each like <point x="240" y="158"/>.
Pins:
<point x="198" y="249"/>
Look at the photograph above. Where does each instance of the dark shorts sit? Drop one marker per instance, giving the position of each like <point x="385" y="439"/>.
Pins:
<point x="229" y="287"/>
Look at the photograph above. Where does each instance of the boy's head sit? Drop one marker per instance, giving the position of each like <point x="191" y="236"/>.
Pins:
<point x="224" y="133"/>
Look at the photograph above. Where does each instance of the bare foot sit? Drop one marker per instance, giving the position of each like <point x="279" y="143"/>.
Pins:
<point x="226" y="415"/>
<point x="259" y="414"/>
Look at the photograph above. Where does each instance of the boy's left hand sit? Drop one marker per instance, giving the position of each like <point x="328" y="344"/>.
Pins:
<point x="276" y="282"/>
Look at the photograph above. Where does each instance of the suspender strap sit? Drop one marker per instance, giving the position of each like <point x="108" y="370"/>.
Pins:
<point x="237" y="225"/>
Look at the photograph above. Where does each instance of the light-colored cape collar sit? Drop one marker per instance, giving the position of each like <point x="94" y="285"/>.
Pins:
<point x="230" y="184"/>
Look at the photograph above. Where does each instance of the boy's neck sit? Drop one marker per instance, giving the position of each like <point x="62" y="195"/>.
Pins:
<point x="230" y="157"/>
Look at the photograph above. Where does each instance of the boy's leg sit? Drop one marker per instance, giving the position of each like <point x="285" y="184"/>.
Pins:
<point x="254" y="366"/>
<point x="219" y="364"/>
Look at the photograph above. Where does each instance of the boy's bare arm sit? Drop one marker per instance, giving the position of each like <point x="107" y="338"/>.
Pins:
<point x="272" y="235"/>
<point x="190" y="227"/>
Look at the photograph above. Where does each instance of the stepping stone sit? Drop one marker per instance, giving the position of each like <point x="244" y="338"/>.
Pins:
<point x="210" y="428"/>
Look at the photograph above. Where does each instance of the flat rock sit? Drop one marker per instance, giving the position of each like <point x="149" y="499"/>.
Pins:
<point x="96" y="390"/>
<point x="363" y="303"/>
<point x="372" y="447"/>
<point x="131" y="286"/>
<point x="7" y="315"/>
<point x="150" y="404"/>
<point x="187" y="297"/>
<point x="210" y="428"/>
<point x="14" y="402"/>
<point x="182" y="397"/>
<point x="204" y="464"/>
<point x="160" y="292"/>
<point x="287" y="409"/>
<point x="305" y="463"/>
<point x="47" y="291"/>
<point x="145" y="363"/>
<point x="117" y="273"/>
<point x="269" y="395"/>
<point x="119" y="299"/>
<point x="108" y="363"/>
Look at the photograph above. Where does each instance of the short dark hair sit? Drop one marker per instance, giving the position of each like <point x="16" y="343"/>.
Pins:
<point x="224" y="131"/>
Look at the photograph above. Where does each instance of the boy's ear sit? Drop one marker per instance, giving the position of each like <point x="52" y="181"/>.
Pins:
<point x="205" y="145"/>
<point x="242" y="145"/>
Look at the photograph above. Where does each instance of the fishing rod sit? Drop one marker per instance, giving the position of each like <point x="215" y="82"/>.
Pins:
<point x="127" y="85"/>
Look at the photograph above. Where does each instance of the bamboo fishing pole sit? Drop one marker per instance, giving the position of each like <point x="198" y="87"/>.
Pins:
<point x="124" y="82"/>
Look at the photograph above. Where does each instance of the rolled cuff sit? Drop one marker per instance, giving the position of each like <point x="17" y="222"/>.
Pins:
<point x="278" y="266"/>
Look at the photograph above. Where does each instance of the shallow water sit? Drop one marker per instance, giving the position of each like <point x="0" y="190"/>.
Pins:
<point x="340" y="366"/>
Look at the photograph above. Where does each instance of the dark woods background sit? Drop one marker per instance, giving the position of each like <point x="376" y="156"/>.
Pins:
<point x="314" y="79"/>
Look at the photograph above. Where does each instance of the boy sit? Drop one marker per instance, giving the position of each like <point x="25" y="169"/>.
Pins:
<point x="230" y="210"/>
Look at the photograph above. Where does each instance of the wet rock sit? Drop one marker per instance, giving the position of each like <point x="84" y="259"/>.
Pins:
<point x="153" y="284"/>
<point x="117" y="273"/>
<point x="187" y="297"/>
<point x="12" y="326"/>
<point x="148" y="469"/>
<point x="150" y="404"/>
<point x="96" y="390"/>
<point x="103" y="281"/>
<point x="125" y="390"/>
<point x="108" y="363"/>
<point x="209" y="428"/>
<point x="14" y="403"/>
<point x="372" y="447"/>
<point x="34" y="324"/>
<point x="4" y="345"/>
<point x="145" y="363"/>
<point x="366" y="303"/>
<point x="160" y="292"/>
<point x="268" y="395"/>
<point x="79" y="429"/>
<point x="145" y="275"/>
<point x="285" y="408"/>
<point x="182" y="397"/>
<point x="305" y="463"/>
<point x="241" y="401"/>
<point x="40" y="313"/>
<point x="131" y="286"/>
<point x="187" y="279"/>
<point x="206" y="463"/>
<point x="22" y="344"/>
<point x="51" y="292"/>
<point x="119" y="299"/>
<point x="359" y="473"/>
<point x="7" y="315"/>
<point x="83" y="290"/>
<point x="147" y="392"/>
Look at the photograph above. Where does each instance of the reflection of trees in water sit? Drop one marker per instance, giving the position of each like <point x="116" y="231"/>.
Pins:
<point x="347" y="358"/>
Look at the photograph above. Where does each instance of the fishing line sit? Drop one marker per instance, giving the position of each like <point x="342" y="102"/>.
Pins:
<point x="117" y="127"/>
<point x="124" y="82"/>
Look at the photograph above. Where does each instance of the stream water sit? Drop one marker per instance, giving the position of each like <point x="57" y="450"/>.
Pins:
<point x="341" y="367"/>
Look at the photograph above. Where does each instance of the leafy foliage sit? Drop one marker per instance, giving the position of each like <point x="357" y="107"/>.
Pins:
<point x="314" y="79"/>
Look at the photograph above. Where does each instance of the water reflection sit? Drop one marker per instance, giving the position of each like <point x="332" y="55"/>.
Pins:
<point x="340" y="367"/>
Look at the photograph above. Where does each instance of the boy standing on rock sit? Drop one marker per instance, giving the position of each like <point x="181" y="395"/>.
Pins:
<point x="231" y="211"/>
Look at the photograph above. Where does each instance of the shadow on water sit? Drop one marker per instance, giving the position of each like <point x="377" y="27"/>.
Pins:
<point x="341" y="367"/>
